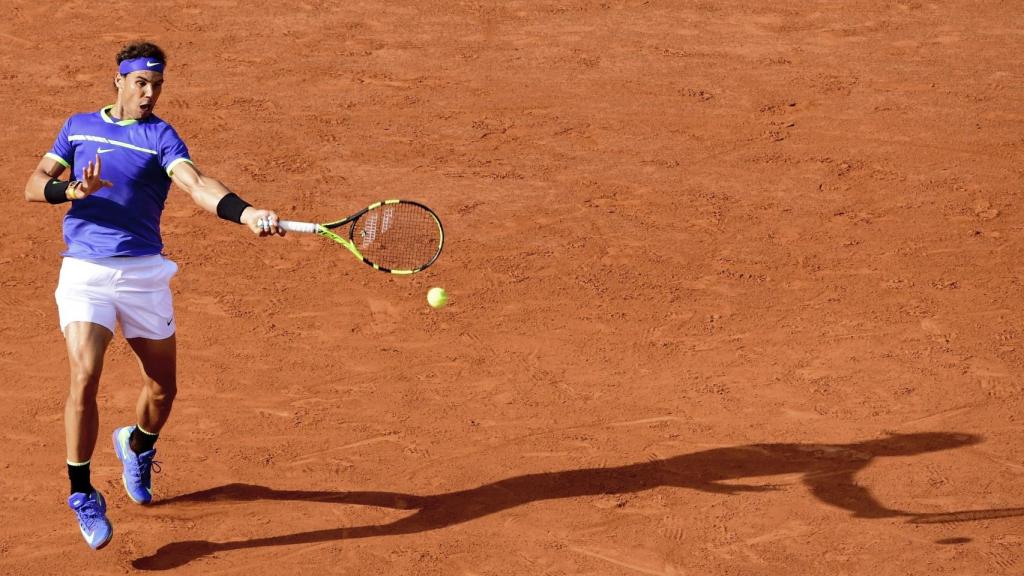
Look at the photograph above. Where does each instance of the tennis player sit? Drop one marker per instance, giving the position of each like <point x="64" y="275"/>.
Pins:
<point x="122" y="160"/>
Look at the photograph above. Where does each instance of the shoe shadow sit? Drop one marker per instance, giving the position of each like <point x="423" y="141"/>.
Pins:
<point x="827" y="470"/>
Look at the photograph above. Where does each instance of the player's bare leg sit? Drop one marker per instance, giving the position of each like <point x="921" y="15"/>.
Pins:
<point x="134" y="445"/>
<point x="158" y="362"/>
<point x="86" y="343"/>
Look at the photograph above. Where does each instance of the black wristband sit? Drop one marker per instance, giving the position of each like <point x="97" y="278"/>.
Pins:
<point x="56" y="191"/>
<point x="231" y="207"/>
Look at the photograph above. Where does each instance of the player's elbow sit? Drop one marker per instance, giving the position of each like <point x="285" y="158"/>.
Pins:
<point x="30" y="189"/>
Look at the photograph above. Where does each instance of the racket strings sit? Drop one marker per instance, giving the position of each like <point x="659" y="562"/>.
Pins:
<point x="397" y="236"/>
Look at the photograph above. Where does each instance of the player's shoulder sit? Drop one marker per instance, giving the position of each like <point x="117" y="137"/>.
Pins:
<point x="158" y="124"/>
<point x="156" y="121"/>
<point x="161" y="128"/>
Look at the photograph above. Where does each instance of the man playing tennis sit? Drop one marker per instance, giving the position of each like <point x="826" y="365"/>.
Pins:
<point x="122" y="161"/>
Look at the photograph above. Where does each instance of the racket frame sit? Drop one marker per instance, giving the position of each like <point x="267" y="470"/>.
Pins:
<point x="326" y="230"/>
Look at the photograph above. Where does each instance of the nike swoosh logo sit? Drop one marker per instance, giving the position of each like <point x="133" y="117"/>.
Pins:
<point x="104" y="150"/>
<point x="169" y="321"/>
<point x="151" y="64"/>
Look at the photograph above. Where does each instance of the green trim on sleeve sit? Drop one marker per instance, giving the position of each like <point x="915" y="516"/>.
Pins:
<point x="170" y="167"/>
<point x="62" y="161"/>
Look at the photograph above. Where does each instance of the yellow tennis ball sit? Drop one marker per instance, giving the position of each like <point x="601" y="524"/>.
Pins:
<point x="437" y="297"/>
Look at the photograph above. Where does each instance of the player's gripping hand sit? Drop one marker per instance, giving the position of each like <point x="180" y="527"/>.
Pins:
<point x="262" y="222"/>
<point x="90" y="183"/>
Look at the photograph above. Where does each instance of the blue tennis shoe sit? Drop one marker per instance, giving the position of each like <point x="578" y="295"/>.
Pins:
<point x="91" y="510"/>
<point x="137" y="467"/>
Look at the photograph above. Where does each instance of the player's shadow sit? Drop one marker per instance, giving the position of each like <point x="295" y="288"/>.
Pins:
<point x="827" y="471"/>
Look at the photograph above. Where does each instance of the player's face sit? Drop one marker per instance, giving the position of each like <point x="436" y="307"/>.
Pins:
<point x="138" y="93"/>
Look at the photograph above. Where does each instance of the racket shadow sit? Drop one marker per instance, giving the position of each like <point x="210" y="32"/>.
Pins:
<point x="827" y="470"/>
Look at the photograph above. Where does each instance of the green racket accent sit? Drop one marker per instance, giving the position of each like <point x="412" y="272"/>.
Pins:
<point x="395" y="236"/>
<point x="321" y="231"/>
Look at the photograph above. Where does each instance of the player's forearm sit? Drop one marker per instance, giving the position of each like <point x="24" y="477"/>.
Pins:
<point x="214" y="197"/>
<point x="208" y="192"/>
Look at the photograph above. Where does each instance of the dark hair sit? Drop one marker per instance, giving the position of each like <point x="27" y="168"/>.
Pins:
<point x="141" y="50"/>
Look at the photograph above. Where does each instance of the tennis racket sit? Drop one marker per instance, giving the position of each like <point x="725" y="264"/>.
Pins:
<point x="396" y="236"/>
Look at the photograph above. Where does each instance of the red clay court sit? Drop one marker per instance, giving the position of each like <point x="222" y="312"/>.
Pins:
<point x="735" y="289"/>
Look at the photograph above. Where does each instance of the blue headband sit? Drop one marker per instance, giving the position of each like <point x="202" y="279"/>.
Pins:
<point x="136" y="64"/>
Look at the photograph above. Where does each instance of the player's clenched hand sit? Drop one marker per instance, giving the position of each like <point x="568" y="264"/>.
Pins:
<point x="262" y="222"/>
<point x="91" y="181"/>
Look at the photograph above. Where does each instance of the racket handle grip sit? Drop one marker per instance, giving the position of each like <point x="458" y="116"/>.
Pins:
<point x="304" y="227"/>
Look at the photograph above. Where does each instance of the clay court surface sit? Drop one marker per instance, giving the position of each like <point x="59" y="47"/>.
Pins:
<point x="735" y="289"/>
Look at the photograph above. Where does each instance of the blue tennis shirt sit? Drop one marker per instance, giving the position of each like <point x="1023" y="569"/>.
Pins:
<point x="138" y="157"/>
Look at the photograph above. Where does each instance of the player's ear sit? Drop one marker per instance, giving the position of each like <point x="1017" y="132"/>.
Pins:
<point x="118" y="81"/>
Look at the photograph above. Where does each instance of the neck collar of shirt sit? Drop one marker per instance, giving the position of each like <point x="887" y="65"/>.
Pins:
<point x="105" y="114"/>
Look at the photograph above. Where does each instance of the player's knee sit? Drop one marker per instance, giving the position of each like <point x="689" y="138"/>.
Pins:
<point x="83" y="388"/>
<point x="167" y="394"/>
<point x="164" y="392"/>
<point x="85" y="363"/>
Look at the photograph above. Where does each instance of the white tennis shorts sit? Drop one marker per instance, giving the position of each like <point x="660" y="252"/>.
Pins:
<point x="133" y="290"/>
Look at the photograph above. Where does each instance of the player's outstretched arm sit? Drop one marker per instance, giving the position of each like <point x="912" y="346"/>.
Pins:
<point x="214" y="197"/>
